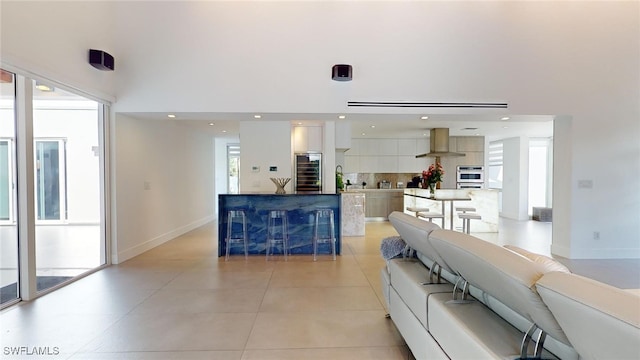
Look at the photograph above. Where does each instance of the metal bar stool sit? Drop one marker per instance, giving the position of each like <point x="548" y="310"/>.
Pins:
<point x="277" y="232"/>
<point x="464" y="210"/>
<point x="466" y="221"/>
<point x="416" y="210"/>
<point x="430" y="216"/>
<point x="244" y="235"/>
<point x="326" y="236"/>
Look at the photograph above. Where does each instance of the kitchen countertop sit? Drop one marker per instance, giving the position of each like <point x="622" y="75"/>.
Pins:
<point x="381" y="190"/>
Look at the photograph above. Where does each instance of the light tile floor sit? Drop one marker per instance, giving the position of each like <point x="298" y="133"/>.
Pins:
<point x="180" y="301"/>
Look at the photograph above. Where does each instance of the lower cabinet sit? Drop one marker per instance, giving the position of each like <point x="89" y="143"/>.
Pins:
<point x="381" y="203"/>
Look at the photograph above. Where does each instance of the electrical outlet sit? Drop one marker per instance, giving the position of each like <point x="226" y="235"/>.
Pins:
<point x="596" y="235"/>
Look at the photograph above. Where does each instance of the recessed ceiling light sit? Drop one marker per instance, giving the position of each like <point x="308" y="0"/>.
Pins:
<point x="257" y="116"/>
<point x="425" y="134"/>
<point x="224" y="131"/>
<point x="341" y="117"/>
<point x="424" y="117"/>
<point x="211" y="124"/>
<point x="477" y="134"/>
<point x="363" y="134"/>
<point x="373" y="126"/>
<point x="300" y="123"/>
<point x="171" y="116"/>
<point x="505" y="118"/>
<point x="43" y="87"/>
<point x="505" y="127"/>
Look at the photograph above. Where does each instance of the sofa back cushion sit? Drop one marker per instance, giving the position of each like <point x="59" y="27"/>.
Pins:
<point x="601" y="321"/>
<point x="415" y="233"/>
<point x="503" y="274"/>
<point x="550" y="263"/>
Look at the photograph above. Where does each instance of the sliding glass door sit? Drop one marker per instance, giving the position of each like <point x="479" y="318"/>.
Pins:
<point x="67" y="176"/>
<point x="9" y="271"/>
<point x="63" y="235"/>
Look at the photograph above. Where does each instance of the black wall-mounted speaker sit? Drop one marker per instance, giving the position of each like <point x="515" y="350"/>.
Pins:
<point x="342" y="72"/>
<point x="101" y="60"/>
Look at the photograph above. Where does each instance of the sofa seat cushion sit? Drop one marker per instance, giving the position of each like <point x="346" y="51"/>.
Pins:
<point x="601" y="321"/>
<point x="472" y="331"/>
<point x="419" y="340"/>
<point x="407" y="277"/>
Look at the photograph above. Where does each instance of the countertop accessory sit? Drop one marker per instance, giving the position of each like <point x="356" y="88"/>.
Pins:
<point x="280" y="183"/>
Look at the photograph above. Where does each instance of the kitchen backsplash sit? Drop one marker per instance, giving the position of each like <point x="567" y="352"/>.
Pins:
<point x="374" y="179"/>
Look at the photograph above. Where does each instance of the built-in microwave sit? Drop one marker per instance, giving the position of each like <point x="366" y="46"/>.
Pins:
<point x="470" y="185"/>
<point x="470" y="174"/>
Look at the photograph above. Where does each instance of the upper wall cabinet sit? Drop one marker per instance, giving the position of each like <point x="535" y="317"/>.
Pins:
<point x="469" y="143"/>
<point x="307" y="138"/>
<point x="398" y="155"/>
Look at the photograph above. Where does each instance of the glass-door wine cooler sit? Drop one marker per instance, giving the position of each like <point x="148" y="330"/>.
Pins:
<point x="308" y="173"/>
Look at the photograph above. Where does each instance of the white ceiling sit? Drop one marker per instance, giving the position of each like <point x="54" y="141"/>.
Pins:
<point x="376" y="125"/>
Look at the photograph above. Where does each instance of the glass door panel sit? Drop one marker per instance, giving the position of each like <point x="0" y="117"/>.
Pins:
<point x="49" y="177"/>
<point x="9" y="272"/>
<point x="5" y="181"/>
<point x="69" y="227"/>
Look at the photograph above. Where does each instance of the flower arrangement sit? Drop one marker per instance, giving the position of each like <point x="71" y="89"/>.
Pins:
<point x="432" y="175"/>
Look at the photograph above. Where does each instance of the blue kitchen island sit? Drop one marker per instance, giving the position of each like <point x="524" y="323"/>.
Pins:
<point x="301" y="216"/>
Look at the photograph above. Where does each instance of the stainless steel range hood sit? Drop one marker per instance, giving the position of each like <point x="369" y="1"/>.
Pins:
<point x="439" y="144"/>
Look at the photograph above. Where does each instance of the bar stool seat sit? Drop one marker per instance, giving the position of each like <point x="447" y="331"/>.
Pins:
<point x="324" y="231"/>
<point x="465" y="209"/>
<point x="277" y="232"/>
<point x="237" y="237"/>
<point x="430" y="216"/>
<point x="417" y="209"/>
<point x="466" y="221"/>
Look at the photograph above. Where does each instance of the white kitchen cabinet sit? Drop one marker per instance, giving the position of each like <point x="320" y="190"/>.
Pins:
<point x="469" y="143"/>
<point x="386" y="147"/>
<point x="351" y="164"/>
<point x="387" y="164"/>
<point x="409" y="164"/>
<point x="356" y="144"/>
<point x="307" y="138"/>
<point x="407" y="147"/>
<point x="368" y="147"/>
<point x="368" y="164"/>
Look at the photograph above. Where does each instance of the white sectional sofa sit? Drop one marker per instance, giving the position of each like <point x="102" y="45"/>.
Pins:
<point x="461" y="297"/>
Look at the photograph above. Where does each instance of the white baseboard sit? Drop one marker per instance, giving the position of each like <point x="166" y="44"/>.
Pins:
<point x="122" y="256"/>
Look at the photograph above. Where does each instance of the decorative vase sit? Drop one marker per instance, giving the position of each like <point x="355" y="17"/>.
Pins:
<point x="432" y="189"/>
<point x="280" y="184"/>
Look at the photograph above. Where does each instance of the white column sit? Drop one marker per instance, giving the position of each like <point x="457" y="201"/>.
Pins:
<point x="26" y="200"/>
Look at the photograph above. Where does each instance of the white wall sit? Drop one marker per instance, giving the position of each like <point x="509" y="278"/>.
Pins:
<point x="163" y="183"/>
<point x="51" y="39"/>
<point x="264" y="144"/>
<point x="515" y="186"/>
<point x="578" y="59"/>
